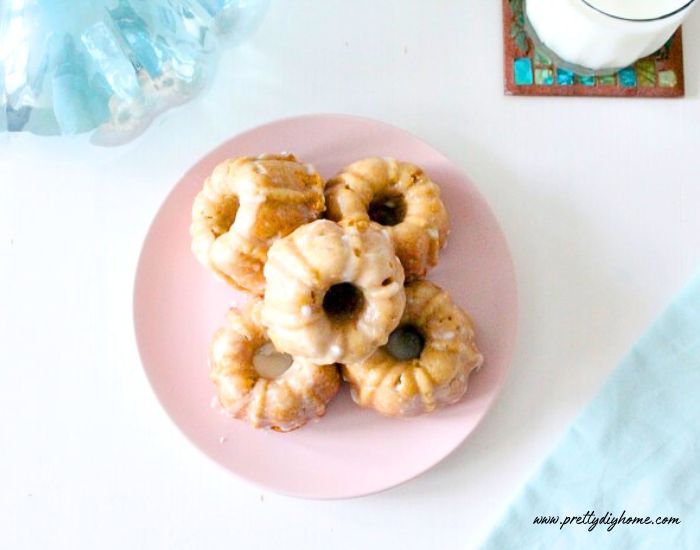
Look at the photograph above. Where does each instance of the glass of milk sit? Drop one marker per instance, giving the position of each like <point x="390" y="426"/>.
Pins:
<point x="603" y="36"/>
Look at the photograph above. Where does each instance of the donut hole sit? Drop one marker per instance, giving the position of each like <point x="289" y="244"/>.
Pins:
<point x="343" y="302"/>
<point x="387" y="209"/>
<point x="270" y="363"/>
<point x="405" y="343"/>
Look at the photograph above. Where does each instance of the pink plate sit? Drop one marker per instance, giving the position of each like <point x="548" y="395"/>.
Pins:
<point x="351" y="451"/>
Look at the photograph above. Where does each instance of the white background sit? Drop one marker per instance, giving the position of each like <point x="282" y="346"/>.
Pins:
<point x="598" y="198"/>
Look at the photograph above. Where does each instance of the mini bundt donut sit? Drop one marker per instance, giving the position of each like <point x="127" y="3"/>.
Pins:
<point x="399" y="196"/>
<point x="280" y="401"/>
<point x="427" y="361"/>
<point x="244" y="206"/>
<point x="334" y="293"/>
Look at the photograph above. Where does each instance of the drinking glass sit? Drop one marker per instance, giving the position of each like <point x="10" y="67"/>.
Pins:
<point x="603" y="36"/>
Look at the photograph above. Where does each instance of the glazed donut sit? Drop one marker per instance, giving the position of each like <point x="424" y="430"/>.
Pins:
<point x="334" y="293"/>
<point x="244" y="206"/>
<point x="283" y="402"/>
<point x="399" y="196"/>
<point x="427" y="361"/>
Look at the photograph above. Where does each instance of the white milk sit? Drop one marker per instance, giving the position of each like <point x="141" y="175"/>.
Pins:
<point x="605" y="34"/>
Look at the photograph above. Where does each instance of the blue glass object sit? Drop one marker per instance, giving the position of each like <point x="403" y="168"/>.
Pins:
<point x="522" y="71"/>
<point x="74" y="66"/>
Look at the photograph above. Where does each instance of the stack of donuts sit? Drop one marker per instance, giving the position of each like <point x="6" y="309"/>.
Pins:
<point x="335" y="274"/>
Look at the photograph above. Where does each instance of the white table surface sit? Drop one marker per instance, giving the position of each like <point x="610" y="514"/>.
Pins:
<point x="599" y="199"/>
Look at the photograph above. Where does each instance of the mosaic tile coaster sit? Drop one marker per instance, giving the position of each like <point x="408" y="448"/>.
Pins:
<point x="531" y="72"/>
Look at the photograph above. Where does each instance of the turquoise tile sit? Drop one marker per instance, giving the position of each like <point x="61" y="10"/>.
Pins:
<point x="627" y="78"/>
<point x="544" y="77"/>
<point x="564" y="77"/>
<point x="585" y="80"/>
<point x="522" y="71"/>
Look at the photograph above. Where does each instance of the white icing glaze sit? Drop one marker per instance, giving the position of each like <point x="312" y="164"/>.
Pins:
<point x="220" y="348"/>
<point x="291" y="275"/>
<point x="250" y="200"/>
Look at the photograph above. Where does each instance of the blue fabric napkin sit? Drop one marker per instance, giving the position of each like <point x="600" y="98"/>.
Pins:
<point x="634" y="449"/>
